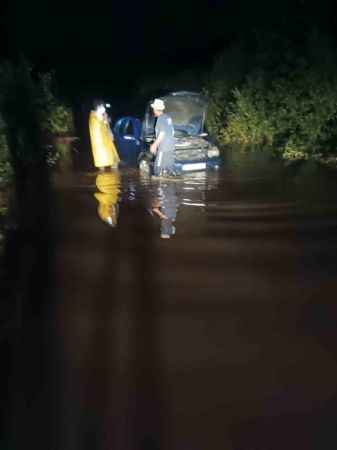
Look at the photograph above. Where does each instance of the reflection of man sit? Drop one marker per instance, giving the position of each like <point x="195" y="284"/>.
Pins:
<point x="163" y="146"/>
<point x="103" y="148"/>
<point x="165" y="207"/>
<point x="108" y="184"/>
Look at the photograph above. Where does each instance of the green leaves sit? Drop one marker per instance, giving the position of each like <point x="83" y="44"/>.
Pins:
<point x="5" y="166"/>
<point x="282" y="98"/>
<point x="55" y="117"/>
<point x="30" y="112"/>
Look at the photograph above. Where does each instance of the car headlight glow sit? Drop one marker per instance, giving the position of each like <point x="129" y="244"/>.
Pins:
<point x="213" y="152"/>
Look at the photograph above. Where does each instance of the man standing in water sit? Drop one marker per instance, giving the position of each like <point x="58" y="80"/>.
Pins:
<point x="163" y="146"/>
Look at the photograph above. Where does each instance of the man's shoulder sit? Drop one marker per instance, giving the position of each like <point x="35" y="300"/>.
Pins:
<point x="167" y="118"/>
<point x="162" y="119"/>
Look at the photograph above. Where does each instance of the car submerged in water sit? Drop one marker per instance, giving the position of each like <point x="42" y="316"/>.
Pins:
<point x="194" y="150"/>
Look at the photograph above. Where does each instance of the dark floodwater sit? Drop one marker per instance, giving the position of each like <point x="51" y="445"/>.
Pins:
<point x="221" y="337"/>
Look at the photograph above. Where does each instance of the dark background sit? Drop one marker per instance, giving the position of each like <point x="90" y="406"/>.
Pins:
<point x="109" y="48"/>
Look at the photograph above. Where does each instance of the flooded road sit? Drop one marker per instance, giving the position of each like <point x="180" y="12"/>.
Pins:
<point x="190" y="314"/>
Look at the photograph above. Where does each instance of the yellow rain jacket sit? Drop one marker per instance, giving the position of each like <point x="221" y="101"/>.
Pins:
<point x="103" y="148"/>
<point x="108" y="184"/>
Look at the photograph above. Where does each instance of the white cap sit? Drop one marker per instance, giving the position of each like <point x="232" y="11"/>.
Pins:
<point x="158" y="104"/>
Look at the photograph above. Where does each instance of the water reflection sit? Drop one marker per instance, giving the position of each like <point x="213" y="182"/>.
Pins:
<point x="108" y="185"/>
<point x="163" y="199"/>
<point x="188" y="196"/>
<point x="165" y="206"/>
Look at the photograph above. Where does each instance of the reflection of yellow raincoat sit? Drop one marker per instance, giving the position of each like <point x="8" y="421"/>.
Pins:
<point x="103" y="148"/>
<point x="108" y="184"/>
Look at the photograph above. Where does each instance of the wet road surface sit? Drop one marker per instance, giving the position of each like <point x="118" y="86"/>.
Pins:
<point x="221" y="337"/>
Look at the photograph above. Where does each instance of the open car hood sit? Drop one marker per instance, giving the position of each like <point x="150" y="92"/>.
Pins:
<point x="187" y="110"/>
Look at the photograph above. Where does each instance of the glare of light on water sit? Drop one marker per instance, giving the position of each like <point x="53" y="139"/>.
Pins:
<point x="194" y="204"/>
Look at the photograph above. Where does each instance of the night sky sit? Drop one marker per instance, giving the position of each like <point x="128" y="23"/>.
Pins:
<point x="109" y="47"/>
<point x="116" y="42"/>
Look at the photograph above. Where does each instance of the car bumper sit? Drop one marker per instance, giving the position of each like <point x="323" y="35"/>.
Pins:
<point x="197" y="166"/>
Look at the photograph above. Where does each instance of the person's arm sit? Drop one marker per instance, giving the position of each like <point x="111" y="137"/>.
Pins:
<point x="156" y="143"/>
<point x="159" y="213"/>
<point x="111" y="133"/>
<point x="95" y="133"/>
<point x="108" y="125"/>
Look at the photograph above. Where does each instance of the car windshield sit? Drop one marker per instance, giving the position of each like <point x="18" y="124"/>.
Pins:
<point x="187" y="110"/>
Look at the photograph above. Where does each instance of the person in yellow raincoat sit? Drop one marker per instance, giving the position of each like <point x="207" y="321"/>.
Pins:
<point x="101" y="137"/>
<point x="108" y="183"/>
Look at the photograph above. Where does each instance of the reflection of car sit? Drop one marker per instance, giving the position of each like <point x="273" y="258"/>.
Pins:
<point x="194" y="150"/>
<point x="127" y="133"/>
